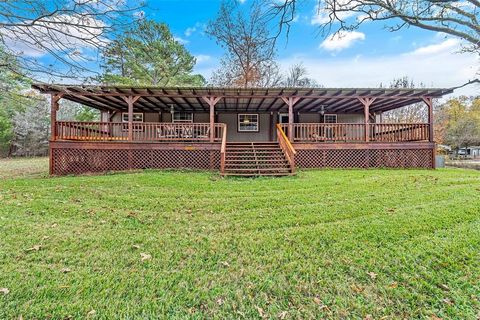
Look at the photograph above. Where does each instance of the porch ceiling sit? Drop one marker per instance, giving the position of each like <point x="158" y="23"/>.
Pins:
<point x="156" y="99"/>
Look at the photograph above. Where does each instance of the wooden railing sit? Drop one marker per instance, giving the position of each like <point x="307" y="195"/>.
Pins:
<point x="287" y="147"/>
<point x="223" y="150"/>
<point x="318" y="132"/>
<point x="399" y="132"/>
<point x="145" y="131"/>
<point x="355" y="132"/>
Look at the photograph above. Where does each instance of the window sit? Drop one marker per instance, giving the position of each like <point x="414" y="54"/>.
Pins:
<point x="182" y="117"/>
<point x="137" y="117"/>
<point x="248" y="122"/>
<point x="330" y="118"/>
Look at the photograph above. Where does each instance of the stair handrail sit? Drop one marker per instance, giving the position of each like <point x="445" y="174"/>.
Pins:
<point x="223" y="149"/>
<point x="287" y="147"/>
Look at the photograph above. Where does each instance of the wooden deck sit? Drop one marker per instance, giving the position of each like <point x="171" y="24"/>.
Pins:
<point x="100" y="147"/>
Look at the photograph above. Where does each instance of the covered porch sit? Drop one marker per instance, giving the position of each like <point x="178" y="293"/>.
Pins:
<point x="301" y="120"/>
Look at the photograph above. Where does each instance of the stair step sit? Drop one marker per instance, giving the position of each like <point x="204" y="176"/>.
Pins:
<point x="255" y="159"/>
<point x="259" y="170"/>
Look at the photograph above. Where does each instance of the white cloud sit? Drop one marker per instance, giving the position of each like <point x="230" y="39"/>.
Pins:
<point x="201" y="58"/>
<point x="242" y="1"/>
<point x="341" y="40"/>
<point x="323" y="15"/>
<point x="438" y="47"/>
<point x="62" y="33"/>
<point x="198" y="27"/>
<point x="190" y="31"/>
<point x="181" y="40"/>
<point x="439" y="68"/>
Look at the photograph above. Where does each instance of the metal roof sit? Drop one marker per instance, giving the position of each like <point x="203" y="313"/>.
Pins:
<point x="155" y="99"/>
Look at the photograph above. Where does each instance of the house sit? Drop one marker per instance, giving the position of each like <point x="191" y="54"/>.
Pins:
<point x="239" y="131"/>
<point x="472" y="152"/>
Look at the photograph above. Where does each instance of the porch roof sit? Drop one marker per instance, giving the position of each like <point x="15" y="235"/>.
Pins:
<point x="161" y="99"/>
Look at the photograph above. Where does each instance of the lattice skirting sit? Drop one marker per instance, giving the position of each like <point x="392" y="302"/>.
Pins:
<point x="365" y="158"/>
<point x="66" y="161"/>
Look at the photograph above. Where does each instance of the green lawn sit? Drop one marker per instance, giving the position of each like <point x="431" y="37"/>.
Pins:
<point x="323" y="244"/>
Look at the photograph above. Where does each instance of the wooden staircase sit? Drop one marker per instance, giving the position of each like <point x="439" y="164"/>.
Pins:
<point x="255" y="159"/>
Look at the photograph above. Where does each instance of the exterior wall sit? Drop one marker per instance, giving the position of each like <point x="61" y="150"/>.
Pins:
<point x="264" y="126"/>
<point x="309" y="118"/>
<point x="350" y="118"/>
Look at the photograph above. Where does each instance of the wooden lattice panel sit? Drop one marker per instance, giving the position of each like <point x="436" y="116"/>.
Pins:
<point x="364" y="158"/>
<point x="78" y="161"/>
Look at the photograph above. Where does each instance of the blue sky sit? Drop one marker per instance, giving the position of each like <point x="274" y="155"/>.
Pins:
<point x="366" y="57"/>
<point x="362" y="58"/>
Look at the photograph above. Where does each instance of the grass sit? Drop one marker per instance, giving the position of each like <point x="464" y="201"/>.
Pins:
<point x="23" y="167"/>
<point x="323" y="244"/>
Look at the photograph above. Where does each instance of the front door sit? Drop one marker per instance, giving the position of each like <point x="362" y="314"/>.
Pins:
<point x="283" y="118"/>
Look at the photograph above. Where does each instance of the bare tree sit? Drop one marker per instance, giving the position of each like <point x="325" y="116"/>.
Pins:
<point x="297" y="76"/>
<point x="250" y="50"/>
<point x="69" y="31"/>
<point x="452" y="17"/>
<point x="31" y="129"/>
<point x="414" y="113"/>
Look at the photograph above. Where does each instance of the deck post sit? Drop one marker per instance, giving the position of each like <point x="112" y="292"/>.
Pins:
<point x="54" y="101"/>
<point x="212" y="101"/>
<point x="130" y="100"/>
<point x="429" y="102"/>
<point x="367" y="102"/>
<point x="290" y="101"/>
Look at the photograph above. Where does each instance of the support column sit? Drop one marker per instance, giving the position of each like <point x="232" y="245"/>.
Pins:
<point x="54" y="101"/>
<point x="367" y="102"/>
<point x="290" y="101"/>
<point x="429" y="102"/>
<point x="130" y="100"/>
<point x="212" y="101"/>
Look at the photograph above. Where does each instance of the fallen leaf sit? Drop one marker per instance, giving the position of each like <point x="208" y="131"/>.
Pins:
<point x="261" y="312"/>
<point x="34" y="248"/>
<point x="444" y="287"/>
<point x="91" y="313"/>
<point x="317" y="300"/>
<point x="5" y="291"/>
<point x="356" y="288"/>
<point x="434" y="317"/>
<point x="448" y="301"/>
<point x="225" y="264"/>
<point x="393" y="285"/>
<point x="54" y="225"/>
<point x="372" y="275"/>
<point x="220" y="301"/>
<point x="368" y="317"/>
<point x="145" y="256"/>
<point x="45" y="238"/>
<point x="282" y="315"/>
<point x="65" y="270"/>
<point x="136" y="246"/>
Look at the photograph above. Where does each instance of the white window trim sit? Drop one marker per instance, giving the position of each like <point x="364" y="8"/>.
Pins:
<point x="330" y="114"/>
<point x="248" y="114"/>
<point x="182" y="121"/>
<point x="134" y="114"/>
